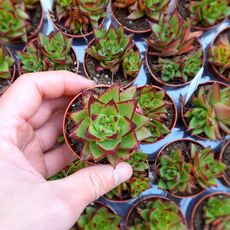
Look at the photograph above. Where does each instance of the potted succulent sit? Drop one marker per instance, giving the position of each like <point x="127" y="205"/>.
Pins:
<point x="20" y="20"/>
<point x="104" y="124"/>
<point x="53" y="52"/>
<point x="138" y="183"/>
<point x="112" y="57"/>
<point x="155" y="213"/>
<point x="205" y="14"/>
<point x="158" y="106"/>
<point x="219" y="54"/>
<point x="225" y="158"/>
<point x="185" y="168"/>
<point x="134" y="15"/>
<point x="98" y="216"/>
<point x="207" y="113"/>
<point x="77" y="18"/>
<point x="7" y="69"/>
<point x="174" y="55"/>
<point x="212" y="212"/>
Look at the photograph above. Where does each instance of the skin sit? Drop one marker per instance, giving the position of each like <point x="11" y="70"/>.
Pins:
<point x="30" y="121"/>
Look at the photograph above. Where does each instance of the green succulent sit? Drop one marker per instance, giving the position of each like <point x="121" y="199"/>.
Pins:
<point x="6" y="64"/>
<point x="217" y="213"/>
<point x="206" y="13"/>
<point x="109" y="125"/>
<point x="210" y="115"/>
<point x="158" y="215"/>
<point x="98" y="219"/>
<point x="205" y="168"/>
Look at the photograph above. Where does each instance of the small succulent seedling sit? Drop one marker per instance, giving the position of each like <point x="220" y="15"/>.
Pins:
<point x="109" y="125"/>
<point x="139" y="181"/>
<point x="113" y="48"/>
<point x="211" y="113"/>
<point x="148" y="8"/>
<point x="154" y="105"/>
<point x="98" y="219"/>
<point x="158" y="214"/>
<point x="172" y="36"/>
<point x="217" y="213"/>
<point x="6" y="63"/>
<point x="50" y="53"/>
<point x="206" y="13"/>
<point x="220" y="55"/>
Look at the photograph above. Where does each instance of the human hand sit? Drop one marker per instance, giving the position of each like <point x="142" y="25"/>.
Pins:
<point x="31" y="113"/>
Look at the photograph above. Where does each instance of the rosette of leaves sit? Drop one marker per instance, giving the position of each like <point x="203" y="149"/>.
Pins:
<point x="220" y="55"/>
<point x="174" y="172"/>
<point x="49" y="53"/>
<point x="139" y="181"/>
<point x="171" y="36"/>
<point x="98" y="219"/>
<point x="205" y="168"/>
<point x="6" y="64"/>
<point x="153" y="104"/>
<point x="152" y="9"/>
<point x="217" y="213"/>
<point x="206" y="13"/>
<point x="109" y="125"/>
<point x="158" y="214"/>
<point x="210" y="115"/>
<point x="113" y="48"/>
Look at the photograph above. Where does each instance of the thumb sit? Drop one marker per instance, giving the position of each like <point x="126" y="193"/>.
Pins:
<point x="88" y="184"/>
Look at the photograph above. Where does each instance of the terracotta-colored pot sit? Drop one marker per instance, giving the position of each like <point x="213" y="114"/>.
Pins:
<point x="199" y="202"/>
<point x="152" y="198"/>
<point x="220" y="158"/>
<point x="214" y="68"/>
<point x="34" y="41"/>
<point x="156" y="169"/>
<point x="13" y="73"/>
<point x="198" y="27"/>
<point x="77" y="36"/>
<point x="88" y="75"/>
<point x="182" y="107"/>
<point x="158" y="80"/>
<point x="174" y="110"/>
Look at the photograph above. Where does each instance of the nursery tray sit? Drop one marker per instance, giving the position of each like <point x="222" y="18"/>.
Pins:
<point x="178" y="132"/>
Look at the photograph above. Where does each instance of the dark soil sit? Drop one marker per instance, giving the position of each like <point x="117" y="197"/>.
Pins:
<point x="3" y="84"/>
<point x="186" y="147"/>
<point x="226" y="159"/>
<point x="199" y="222"/>
<point x="137" y="25"/>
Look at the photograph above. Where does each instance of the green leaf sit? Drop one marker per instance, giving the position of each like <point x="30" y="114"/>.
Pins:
<point x="129" y="142"/>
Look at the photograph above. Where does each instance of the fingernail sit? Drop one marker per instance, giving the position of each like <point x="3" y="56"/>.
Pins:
<point x="122" y="172"/>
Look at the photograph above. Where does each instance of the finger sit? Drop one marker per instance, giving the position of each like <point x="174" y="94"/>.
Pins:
<point x="91" y="183"/>
<point x="48" y="133"/>
<point x="57" y="159"/>
<point x="46" y="109"/>
<point x="27" y="92"/>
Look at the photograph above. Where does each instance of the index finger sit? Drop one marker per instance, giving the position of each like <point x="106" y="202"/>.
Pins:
<point x="24" y="97"/>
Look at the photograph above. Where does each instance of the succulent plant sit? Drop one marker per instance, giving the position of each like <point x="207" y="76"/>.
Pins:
<point x="13" y="21"/>
<point x="171" y="36"/>
<point x="48" y="53"/>
<point x="210" y="115"/>
<point x="205" y="168"/>
<point x="6" y="63"/>
<point x="217" y="213"/>
<point x="109" y="125"/>
<point x="31" y="4"/>
<point x="206" y="13"/>
<point x="174" y="172"/>
<point x="152" y="9"/>
<point x="98" y="219"/>
<point x="153" y="104"/>
<point x="158" y="214"/>
<point x="220" y="54"/>
<point x="139" y="181"/>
